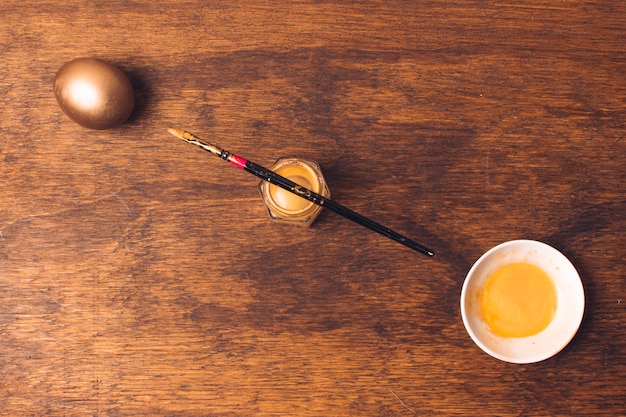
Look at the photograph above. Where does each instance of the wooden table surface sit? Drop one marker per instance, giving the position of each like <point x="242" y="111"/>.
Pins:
<point x="141" y="276"/>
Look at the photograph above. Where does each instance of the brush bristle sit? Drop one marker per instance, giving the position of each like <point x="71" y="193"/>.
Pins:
<point x="176" y="132"/>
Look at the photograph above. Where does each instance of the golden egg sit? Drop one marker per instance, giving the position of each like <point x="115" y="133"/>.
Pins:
<point x="94" y="93"/>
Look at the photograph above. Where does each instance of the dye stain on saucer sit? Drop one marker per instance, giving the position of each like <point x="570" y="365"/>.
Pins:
<point x="518" y="300"/>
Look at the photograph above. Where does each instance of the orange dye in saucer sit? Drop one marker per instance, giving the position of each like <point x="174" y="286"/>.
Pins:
<point x="518" y="300"/>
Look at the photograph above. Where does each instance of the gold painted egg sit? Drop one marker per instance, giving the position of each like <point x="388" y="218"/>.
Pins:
<point x="94" y="93"/>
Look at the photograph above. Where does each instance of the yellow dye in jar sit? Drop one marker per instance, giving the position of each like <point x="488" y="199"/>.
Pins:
<point x="518" y="300"/>
<point x="286" y="207"/>
<point x="287" y="201"/>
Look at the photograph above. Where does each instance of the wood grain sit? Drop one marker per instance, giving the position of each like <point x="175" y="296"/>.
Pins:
<point x="139" y="276"/>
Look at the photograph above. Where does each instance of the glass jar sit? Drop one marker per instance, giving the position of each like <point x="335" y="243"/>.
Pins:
<point x="286" y="207"/>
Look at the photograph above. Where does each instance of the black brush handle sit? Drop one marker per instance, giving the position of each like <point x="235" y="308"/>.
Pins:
<point x="287" y="184"/>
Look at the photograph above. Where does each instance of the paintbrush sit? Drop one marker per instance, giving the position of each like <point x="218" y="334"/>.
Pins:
<point x="286" y="184"/>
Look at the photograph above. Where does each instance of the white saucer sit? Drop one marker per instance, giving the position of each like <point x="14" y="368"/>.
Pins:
<point x="570" y="302"/>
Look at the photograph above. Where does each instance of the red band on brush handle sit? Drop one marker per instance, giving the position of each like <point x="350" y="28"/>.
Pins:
<point x="238" y="161"/>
